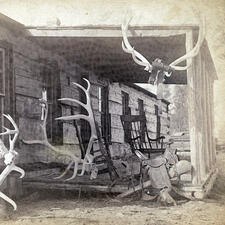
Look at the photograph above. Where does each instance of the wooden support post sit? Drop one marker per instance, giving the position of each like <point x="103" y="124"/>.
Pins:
<point x="212" y="122"/>
<point x="191" y="113"/>
<point x="195" y="113"/>
<point x="200" y="116"/>
<point x="205" y="116"/>
<point x="209" y="119"/>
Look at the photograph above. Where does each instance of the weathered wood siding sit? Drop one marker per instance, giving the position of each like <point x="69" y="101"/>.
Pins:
<point x="200" y="104"/>
<point x="29" y="61"/>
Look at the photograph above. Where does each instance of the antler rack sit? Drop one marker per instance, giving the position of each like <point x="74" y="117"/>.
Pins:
<point x="88" y="158"/>
<point x="157" y="65"/>
<point x="10" y="157"/>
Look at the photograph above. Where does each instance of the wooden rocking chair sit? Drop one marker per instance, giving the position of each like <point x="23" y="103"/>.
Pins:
<point x="135" y="130"/>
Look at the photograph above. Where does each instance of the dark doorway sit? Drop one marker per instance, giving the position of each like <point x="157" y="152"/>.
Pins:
<point x="105" y="115"/>
<point x="51" y="83"/>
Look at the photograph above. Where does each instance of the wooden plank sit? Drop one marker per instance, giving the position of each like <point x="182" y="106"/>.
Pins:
<point x="135" y="189"/>
<point x="66" y="186"/>
<point x="211" y="119"/>
<point x="149" y="107"/>
<point x="115" y="93"/>
<point x="192" y="113"/>
<point x="117" y="135"/>
<point x="116" y="122"/>
<point x="115" y="108"/>
<point x="27" y="68"/>
<point x="28" y="106"/>
<point x="28" y="87"/>
<point x="208" y="128"/>
<point x="200" y="116"/>
<point x="37" y="173"/>
<point x="104" y="31"/>
<point x="212" y="123"/>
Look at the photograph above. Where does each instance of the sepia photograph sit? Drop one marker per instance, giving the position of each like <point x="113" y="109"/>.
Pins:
<point x="112" y="112"/>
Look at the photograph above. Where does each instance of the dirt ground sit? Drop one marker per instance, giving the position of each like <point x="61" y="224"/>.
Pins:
<point x="67" y="208"/>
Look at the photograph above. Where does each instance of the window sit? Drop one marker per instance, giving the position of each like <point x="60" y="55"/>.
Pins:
<point x="2" y="72"/>
<point x="140" y="106"/>
<point x="125" y="103"/>
<point x="103" y="103"/>
<point x="158" y="122"/>
<point x="51" y="83"/>
<point x="126" y="111"/>
<point x="7" y="83"/>
<point x="141" y="112"/>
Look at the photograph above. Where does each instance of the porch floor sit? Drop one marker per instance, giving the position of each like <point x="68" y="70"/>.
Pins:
<point x="44" y="178"/>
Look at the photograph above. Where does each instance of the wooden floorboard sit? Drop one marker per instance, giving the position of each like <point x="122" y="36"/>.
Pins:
<point x="44" y="179"/>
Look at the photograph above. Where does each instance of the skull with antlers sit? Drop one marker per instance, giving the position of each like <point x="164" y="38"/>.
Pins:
<point x="157" y="69"/>
<point x="9" y="157"/>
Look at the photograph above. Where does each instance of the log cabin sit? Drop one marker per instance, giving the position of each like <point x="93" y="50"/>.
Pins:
<point x="52" y="57"/>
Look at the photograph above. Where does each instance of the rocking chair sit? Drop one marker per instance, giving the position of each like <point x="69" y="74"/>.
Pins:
<point x="135" y="130"/>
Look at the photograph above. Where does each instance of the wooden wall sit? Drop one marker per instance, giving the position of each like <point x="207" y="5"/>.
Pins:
<point x="29" y="61"/>
<point x="200" y="104"/>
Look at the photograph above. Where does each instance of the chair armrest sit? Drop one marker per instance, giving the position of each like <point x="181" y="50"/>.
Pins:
<point x="156" y="139"/>
<point x="135" y="138"/>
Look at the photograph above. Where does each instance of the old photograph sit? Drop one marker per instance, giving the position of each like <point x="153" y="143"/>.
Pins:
<point x="112" y="112"/>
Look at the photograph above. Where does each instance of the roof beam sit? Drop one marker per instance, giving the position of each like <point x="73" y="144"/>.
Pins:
<point x="109" y="31"/>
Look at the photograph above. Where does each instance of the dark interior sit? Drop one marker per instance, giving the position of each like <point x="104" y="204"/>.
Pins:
<point x="105" y="57"/>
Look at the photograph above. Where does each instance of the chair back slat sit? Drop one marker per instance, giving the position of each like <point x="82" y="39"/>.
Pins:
<point x="135" y="126"/>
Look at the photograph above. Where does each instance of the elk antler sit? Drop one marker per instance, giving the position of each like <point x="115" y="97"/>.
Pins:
<point x="167" y="70"/>
<point x="75" y="160"/>
<point x="10" y="157"/>
<point x="192" y="53"/>
<point x="137" y="57"/>
<point x="88" y="159"/>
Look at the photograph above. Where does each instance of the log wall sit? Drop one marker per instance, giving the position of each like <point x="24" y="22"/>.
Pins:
<point x="29" y="62"/>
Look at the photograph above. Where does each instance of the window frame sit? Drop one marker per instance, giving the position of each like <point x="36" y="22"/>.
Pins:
<point x="2" y="93"/>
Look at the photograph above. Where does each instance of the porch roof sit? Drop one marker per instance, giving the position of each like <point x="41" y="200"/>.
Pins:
<point x="98" y="48"/>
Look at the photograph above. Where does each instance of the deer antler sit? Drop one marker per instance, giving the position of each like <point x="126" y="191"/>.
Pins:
<point x="88" y="159"/>
<point x="10" y="157"/>
<point x="75" y="160"/>
<point x="167" y="70"/>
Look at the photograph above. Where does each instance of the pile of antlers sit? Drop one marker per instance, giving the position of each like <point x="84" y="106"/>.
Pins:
<point x="10" y="157"/>
<point x="75" y="160"/>
<point x="157" y="65"/>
